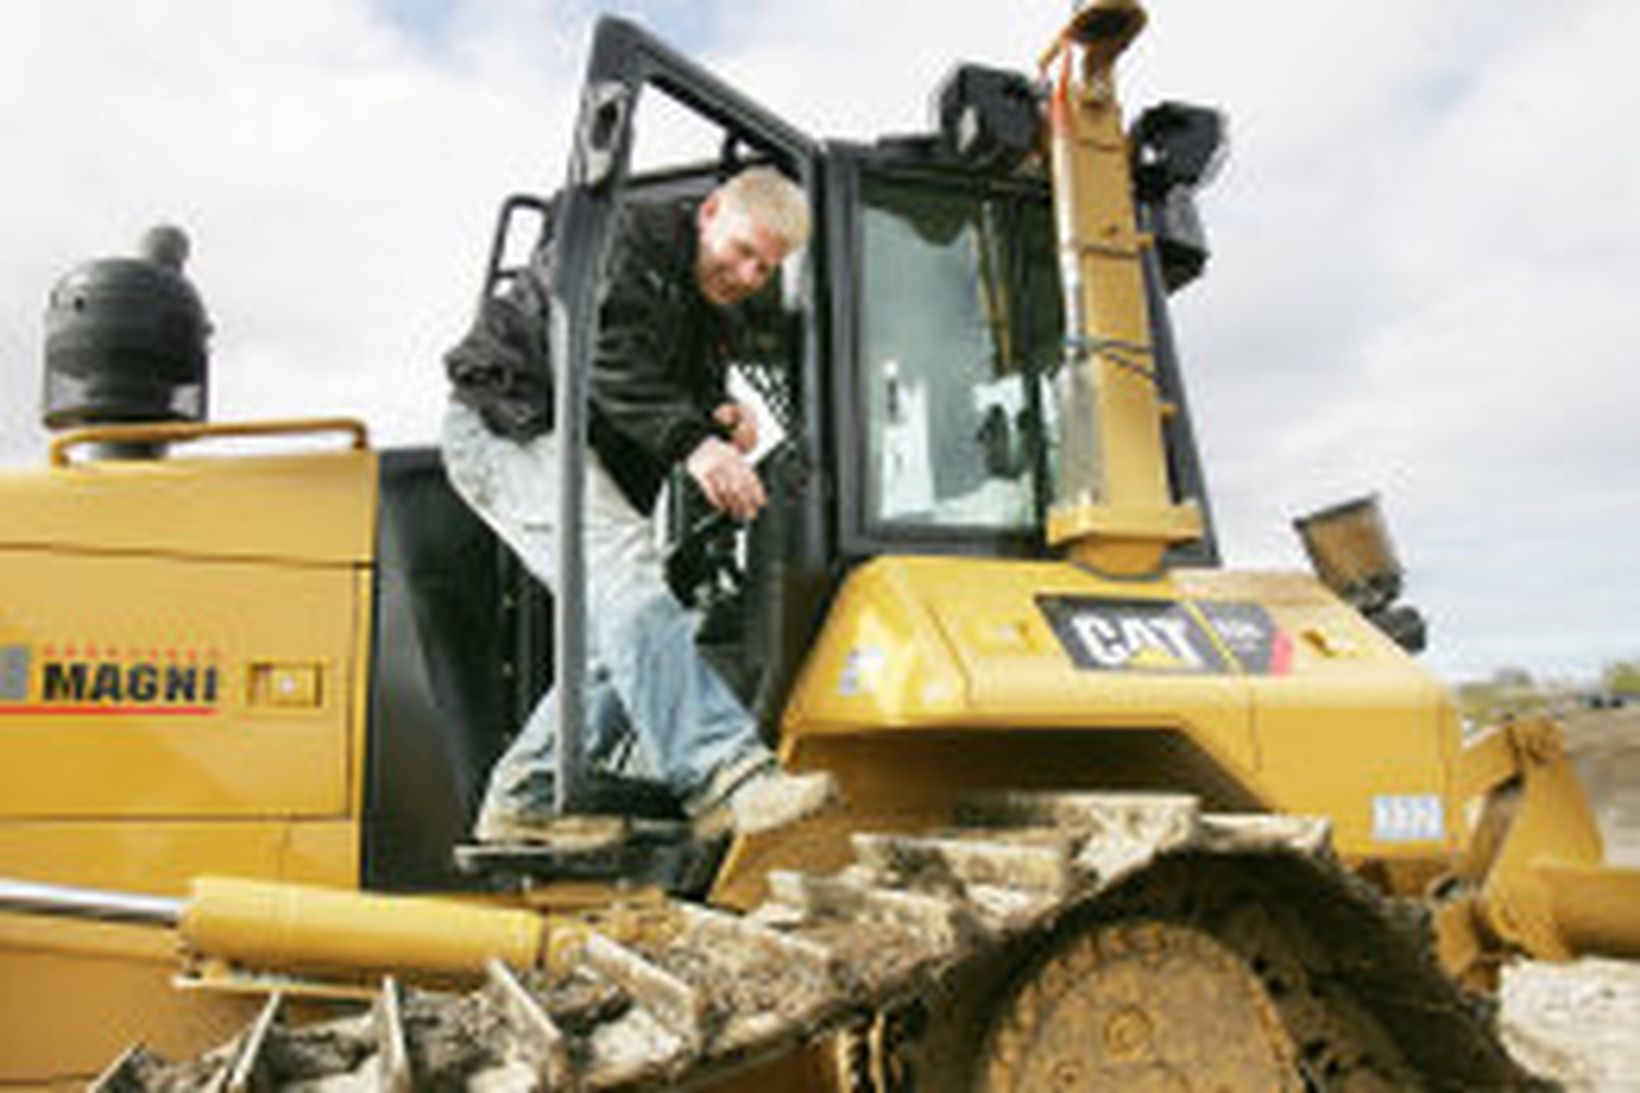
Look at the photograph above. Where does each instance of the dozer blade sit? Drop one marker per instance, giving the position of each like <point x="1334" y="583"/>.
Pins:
<point x="1533" y="878"/>
<point x="1594" y="908"/>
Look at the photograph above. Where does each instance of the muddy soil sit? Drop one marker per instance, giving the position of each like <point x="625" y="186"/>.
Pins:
<point x="1605" y="745"/>
<point x="451" y="1044"/>
<point x="1580" y="1023"/>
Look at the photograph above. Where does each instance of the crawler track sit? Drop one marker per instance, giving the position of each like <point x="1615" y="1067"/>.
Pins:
<point x="985" y="956"/>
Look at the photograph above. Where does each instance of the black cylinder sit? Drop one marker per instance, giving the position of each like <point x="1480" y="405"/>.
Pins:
<point x="126" y="340"/>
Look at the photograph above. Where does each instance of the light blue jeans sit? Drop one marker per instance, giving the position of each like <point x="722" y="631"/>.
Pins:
<point x="644" y="675"/>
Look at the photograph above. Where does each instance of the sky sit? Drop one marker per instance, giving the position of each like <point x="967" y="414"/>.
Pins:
<point x="1426" y="242"/>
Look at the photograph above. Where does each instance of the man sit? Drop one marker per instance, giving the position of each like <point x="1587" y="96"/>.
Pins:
<point x="658" y="399"/>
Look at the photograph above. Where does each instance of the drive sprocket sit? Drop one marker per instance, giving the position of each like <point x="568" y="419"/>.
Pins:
<point x="1151" y="1007"/>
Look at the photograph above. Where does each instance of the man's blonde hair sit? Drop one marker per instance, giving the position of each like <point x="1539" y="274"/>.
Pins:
<point x="773" y="200"/>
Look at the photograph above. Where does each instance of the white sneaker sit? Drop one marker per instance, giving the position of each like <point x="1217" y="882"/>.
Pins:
<point x="749" y="797"/>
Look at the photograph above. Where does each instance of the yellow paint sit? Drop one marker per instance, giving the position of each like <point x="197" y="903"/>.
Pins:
<point x="68" y="1010"/>
<point x="1595" y="909"/>
<point x="221" y="753"/>
<point x="293" y="686"/>
<point x="205" y="622"/>
<point x="1551" y="824"/>
<point x="170" y="434"/>
<point x="952" y="666"/>
<point x="1531" y="877"/>
<point x="74" y="995"/>
<point x="1115" y="510"/>
<point x="161" y="856"/>
<point x="930" y="677"/>
<point x="284" y="507"/>
<point x="288" y="927"/>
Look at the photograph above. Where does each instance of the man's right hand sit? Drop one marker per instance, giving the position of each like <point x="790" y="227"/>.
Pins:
<point x="729" y="482"/>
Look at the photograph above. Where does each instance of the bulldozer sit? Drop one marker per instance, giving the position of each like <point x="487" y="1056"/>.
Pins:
<point x="1112" y="815"/>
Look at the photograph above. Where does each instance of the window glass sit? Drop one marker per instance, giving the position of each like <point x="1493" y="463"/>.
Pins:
<point x="953" y="339"/>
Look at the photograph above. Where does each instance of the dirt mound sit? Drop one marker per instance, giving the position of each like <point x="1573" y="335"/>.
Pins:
<point x="1578" y="1023"/>
<point x="1605" y="745"/>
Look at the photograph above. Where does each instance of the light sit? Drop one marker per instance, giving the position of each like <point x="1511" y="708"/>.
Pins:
<point x="1177" y="144"/>
<point x="1350" y="549"/>
<point x="1177" y="149"/>
<point x="989" y="117"/>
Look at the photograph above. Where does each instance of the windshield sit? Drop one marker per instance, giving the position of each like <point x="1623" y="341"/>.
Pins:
<point x="960" y="333"/>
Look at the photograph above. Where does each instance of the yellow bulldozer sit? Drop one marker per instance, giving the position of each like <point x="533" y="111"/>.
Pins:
<point x="1112" y="815"/>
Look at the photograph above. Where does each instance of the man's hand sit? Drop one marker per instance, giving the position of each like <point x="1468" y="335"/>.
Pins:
<point x="741" y="421"/>
<point x="728" y="481"/>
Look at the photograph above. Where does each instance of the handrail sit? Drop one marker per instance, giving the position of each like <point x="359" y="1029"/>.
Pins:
<point x="179" y="432"/>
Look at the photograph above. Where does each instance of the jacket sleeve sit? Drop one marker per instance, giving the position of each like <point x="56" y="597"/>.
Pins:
<point x="642" y="386"/>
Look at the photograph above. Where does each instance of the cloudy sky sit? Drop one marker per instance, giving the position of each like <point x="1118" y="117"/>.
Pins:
<point x="1426" y="278"/>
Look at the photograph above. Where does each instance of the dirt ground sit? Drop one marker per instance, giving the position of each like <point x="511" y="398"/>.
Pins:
<point x="1580" y="1023"/>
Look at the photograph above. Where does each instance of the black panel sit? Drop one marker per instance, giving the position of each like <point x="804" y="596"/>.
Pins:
<point x="1251" y="635"/>
<point x="1184" y="464"/>
<point x="451" y="608"/>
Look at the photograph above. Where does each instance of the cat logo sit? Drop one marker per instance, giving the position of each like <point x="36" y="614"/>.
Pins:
<point x="1208" y="636"/>
<point x="1162" y="644"/>
<point x="1131" y="635"/>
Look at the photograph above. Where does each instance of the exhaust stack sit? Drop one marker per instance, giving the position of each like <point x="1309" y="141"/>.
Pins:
<point x="126" y="342"/>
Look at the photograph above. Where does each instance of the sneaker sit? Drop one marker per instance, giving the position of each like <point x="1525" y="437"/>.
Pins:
<point x="749" y="797"/>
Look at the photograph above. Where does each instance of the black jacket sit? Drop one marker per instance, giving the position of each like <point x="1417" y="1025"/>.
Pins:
<point x="658" y="369"/>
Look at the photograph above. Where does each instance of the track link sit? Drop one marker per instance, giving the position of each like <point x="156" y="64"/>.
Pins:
<point x="1025" y="881"/>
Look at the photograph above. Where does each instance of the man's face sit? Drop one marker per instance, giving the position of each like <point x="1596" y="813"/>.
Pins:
<point x="737" y="255"/>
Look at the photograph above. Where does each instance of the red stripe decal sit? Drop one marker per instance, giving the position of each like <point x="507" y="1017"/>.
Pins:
<point x="1281" y="653"/>
<point x="105" y="711"/>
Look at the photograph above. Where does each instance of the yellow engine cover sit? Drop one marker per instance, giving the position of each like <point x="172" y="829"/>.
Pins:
<point x="1259" y="691"/>
<point x="182" y="690"/>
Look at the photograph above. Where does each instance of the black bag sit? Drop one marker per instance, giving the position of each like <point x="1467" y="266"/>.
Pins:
<point x="502" y="367"/>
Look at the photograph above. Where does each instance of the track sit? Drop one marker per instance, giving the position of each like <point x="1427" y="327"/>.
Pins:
<point x="1046" y="942"/>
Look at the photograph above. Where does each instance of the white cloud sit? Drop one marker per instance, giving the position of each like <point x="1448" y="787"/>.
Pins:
<point x="337" y="180"/>
<point x="1423" y="240"/>
<point x="1422" y="255"/>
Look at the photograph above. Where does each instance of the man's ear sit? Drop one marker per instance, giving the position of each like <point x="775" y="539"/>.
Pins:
<point x="708" y="210"/>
